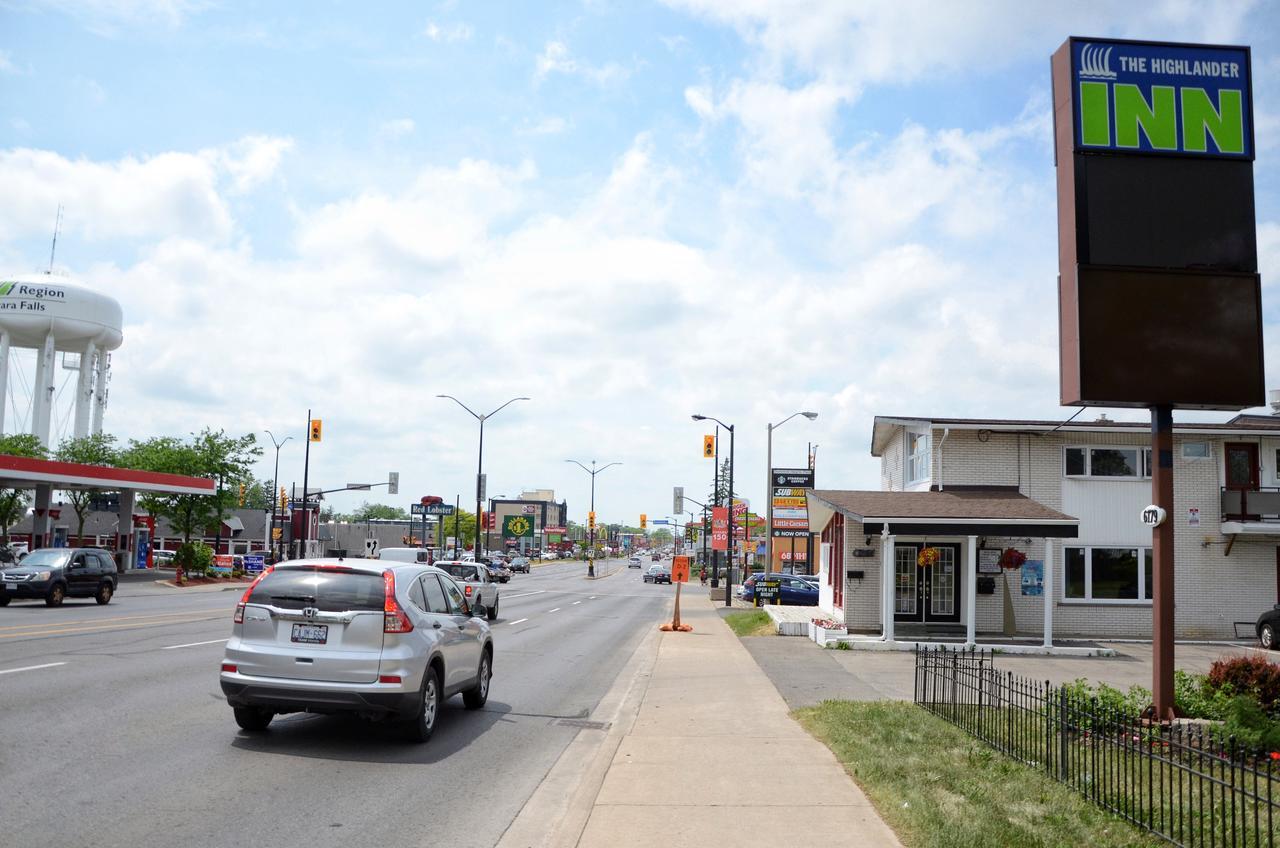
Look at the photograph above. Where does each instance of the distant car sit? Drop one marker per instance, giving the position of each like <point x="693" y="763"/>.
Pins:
<point x="418" y="555"/>
<point x="792" y="590"/>
<point x="656" y="557"/>
<point x="53" y="574"/>
<point x="162" y="559"/>
<point x="383" y="640"/>
<point x="657" y="574"/>
<point x="499" y="570"/>
<point x="520" y="564"/>
<point x="634" y="562"/>
<point x="477" y="583"/>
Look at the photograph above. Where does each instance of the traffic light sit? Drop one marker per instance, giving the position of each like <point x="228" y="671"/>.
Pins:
<point x="242" y="494"/>
<point x="709" y="447"/>
<point x="284" y="500"/>
<point x="315" y="429"/>
<point x="591" y="521"/>
<point x="644" y="521"/>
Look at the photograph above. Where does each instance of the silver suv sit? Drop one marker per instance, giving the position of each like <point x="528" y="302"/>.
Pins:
<point x="382" y="640"/>
<point x="477" y="582"/>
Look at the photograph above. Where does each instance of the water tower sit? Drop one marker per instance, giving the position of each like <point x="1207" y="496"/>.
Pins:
<point x="48" y="314"/>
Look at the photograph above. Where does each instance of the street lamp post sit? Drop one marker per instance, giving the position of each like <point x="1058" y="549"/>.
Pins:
<point x="768" y="493"/>
<point x="275" y="485"/>
<point x="480" y="456"/>
<point x="728" y="577"/>
<point x="591" y="540"/>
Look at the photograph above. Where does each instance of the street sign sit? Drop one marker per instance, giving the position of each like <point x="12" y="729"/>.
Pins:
<point x="370" y="547"/>
<point x="680" y="569"/>
<point x="431" y="509"/>
<point x="223" y="563"/>
<point x="482" y="487"/>
<point x="393" y="483"/>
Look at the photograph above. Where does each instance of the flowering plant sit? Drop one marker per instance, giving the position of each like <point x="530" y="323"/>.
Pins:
<point x="828" y="624"/>
<point x="928" y="557"/>
<point x="1012" y="558"/>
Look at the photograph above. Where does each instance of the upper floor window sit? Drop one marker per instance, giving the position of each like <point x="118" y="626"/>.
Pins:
<point x="1122" y="462"/>
<point x="917" y="457"/>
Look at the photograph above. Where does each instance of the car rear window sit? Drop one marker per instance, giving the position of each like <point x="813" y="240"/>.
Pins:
<point x="462" y="572"/>
<point x="327" y="590"/>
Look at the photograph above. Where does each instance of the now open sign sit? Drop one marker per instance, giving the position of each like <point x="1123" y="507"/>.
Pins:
<point x="1144" y="97"/>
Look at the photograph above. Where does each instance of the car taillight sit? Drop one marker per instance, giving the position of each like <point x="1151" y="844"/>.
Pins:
<point x="389" y="678"/>
<point x="393" y="618"/>
<point x="467" y="589"/>
<point x="238" y="618"/>
<point x="229" y="667"/>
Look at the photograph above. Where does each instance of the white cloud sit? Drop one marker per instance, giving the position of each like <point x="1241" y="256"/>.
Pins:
<point x="555" y="59"/>
<point x="397" y="128"/>
<point x="448" y="33"/>
<point x="8" y="67"/>
<point x="550" y="125"/>
<point x="252" y="160"/>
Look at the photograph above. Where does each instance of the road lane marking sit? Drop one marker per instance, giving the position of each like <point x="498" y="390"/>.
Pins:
<point x="194" y="644"/>
<point x="592" y="598"/>
<point x="31" y="667"/>
<point x="575" y="603"/>
<point x="89" y="621"/>
<point x="90" y="628"/>
<point x="526" y="594"/>
<point x="518" y="621"/>
<point x="557" y="609"/>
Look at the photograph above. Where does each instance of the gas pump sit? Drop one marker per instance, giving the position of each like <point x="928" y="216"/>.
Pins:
<point x="143" y="530"/>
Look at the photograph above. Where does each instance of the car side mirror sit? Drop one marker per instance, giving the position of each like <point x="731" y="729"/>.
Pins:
<point x="478" y="610"/>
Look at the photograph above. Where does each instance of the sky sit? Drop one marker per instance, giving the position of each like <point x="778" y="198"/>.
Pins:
<point x="627" y="212"/>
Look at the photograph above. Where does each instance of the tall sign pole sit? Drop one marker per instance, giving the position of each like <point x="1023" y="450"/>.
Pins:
<point x="715" y="491"/>
<point x="306" y="470"/>
<point x="1159" y="298"/>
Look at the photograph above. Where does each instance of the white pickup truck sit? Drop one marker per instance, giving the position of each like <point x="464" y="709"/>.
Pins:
<point x="476" y="582"/>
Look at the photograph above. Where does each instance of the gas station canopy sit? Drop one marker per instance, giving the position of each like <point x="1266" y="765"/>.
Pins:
<point x="19" y="472"/>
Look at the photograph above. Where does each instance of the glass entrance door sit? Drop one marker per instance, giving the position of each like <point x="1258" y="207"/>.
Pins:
<point x="926" y="594"/>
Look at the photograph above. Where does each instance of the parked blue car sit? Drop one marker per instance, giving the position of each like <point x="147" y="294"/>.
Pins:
<point x="793" y="591"/>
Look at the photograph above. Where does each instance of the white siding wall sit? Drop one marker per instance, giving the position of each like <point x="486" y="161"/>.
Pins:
<point x="861" y="597"/>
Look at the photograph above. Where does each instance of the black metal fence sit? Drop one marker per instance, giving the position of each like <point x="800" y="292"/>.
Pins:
<point x="1188" y="783"/>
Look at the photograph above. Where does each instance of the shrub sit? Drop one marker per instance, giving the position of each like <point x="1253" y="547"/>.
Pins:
<point x="1131" y="702"/>
<point x="1250" y="676"/>
<point x="1197" y="698"/>
<point x="196" y="558"/>
<point x="1251" y="727"/>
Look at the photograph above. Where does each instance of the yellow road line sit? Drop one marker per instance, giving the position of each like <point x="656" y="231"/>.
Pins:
<point x="119" y="618"/>
<point x="90" y="628"/>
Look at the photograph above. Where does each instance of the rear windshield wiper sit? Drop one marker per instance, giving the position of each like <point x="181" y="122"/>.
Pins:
<point x="310" y="598"/>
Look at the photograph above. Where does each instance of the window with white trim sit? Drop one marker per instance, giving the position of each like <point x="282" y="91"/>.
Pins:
<point x="1107" y="574"/>
<point x="1113" y="462"/>
<point x="1195" y="450"/>
<point x="917" y="457"/>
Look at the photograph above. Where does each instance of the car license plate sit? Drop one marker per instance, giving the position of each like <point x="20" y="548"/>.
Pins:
<point x="316" y="634"/>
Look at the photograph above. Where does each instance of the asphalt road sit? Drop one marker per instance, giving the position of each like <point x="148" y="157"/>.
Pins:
<point x="115" y="732"/>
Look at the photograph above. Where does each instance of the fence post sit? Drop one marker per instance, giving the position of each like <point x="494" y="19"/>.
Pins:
<point x="1062" y="735"/>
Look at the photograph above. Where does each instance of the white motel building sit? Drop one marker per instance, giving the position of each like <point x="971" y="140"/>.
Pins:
<point x="1070" y="498"/>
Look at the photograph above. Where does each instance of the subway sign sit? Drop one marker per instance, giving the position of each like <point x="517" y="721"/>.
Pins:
<point x="1151" y="98"/>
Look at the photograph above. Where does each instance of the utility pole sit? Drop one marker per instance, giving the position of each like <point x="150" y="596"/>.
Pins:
<point x="275" y="487"/>
<point x="306" y="471"/>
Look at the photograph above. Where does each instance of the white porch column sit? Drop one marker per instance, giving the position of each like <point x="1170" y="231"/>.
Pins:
<point x="886" y="584"/>
<point x="4" y="375"/>
<point x="84" y="392"/>
<point x="1048" y="593"/>
<point x="971" y="593"/>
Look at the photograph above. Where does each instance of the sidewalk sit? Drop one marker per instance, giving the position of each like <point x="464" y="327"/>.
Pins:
<point x="714" y="758"/>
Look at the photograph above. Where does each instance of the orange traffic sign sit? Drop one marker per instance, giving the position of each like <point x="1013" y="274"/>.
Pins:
<point x="680" y="569"/>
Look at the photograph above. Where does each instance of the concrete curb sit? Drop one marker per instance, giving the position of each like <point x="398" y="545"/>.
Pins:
<point x="557" y="812"/>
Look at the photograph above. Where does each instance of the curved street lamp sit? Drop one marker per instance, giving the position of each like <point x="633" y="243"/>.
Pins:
<point x="480" y="456"/>
<point x="728" y="577"/>
<point x="591" y="543"/>
<point x="275" y="484"/>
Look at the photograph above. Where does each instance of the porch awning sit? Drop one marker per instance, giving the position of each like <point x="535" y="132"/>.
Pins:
<point x="962" y="511"/>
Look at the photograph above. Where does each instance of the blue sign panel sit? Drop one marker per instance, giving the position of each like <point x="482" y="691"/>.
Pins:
<point x="254" y="563"/>
<point x="1179" y="99"/>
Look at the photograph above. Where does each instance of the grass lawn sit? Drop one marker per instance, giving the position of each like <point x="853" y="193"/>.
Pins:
<point x="938" y="787"/>
<point x="752" y="623"/>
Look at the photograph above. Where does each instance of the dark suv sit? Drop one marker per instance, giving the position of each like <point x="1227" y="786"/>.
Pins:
<point x="55" y="573"/>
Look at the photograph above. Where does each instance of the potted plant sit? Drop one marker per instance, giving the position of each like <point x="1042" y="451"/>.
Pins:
<point x="824" y="630"/>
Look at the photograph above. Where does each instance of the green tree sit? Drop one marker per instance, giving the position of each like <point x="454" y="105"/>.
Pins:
<point x="367" y="511"/>
<point x="14" y="502"/>
<point x="94" y="449"/>
<point x="258" y="494"/>
<point x="209" y="453"/>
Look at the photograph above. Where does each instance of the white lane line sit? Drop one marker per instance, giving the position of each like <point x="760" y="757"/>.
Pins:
<point x="194" y="644"/>
<point x="592" y="598"/>
<point x="557" y="609"/>
<point x="31" y="667"/>
<point x="527" y="594"/>
<point x="518" y="621"/>
<point x="575" y="603"/>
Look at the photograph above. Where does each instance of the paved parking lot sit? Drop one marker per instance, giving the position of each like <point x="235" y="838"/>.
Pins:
<point x="806" y="674"/>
